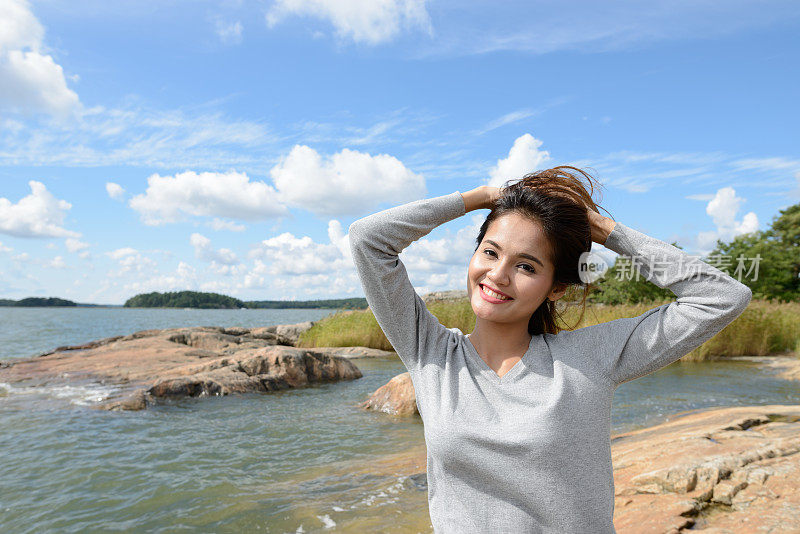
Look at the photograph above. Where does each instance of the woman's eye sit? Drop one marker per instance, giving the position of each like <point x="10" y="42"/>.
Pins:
<point x="490" y="251"/>
<point x="528" y="268"/>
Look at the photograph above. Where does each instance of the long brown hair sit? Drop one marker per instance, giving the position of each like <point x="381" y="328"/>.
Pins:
<point x="557" y="199"/>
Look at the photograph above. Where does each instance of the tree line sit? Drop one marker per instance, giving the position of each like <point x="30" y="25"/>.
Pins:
<point x="195" y="299"/>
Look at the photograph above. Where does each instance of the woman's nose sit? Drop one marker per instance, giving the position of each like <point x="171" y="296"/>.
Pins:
<point x="498" y="274"/>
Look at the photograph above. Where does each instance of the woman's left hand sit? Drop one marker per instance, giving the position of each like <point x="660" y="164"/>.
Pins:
<point x="601" y="226"/>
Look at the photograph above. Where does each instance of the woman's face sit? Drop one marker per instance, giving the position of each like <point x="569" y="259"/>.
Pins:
<point x="503" y="263"/>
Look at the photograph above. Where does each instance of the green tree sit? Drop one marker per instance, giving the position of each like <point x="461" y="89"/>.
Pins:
<point x="777" y="252"/>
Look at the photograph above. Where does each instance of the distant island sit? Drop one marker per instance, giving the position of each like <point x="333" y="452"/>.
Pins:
<point x="31" y="302"/>
<point x="192" y="299"/>
<point x="195" y="299"/>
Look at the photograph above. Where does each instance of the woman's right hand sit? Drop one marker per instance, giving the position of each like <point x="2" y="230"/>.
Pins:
<point x="482" y="197"/>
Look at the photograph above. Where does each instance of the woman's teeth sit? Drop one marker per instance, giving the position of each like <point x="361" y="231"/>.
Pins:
<point x="493" y="294"/>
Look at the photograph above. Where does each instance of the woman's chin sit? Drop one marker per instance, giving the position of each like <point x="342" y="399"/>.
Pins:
<point x="483" y="309"/>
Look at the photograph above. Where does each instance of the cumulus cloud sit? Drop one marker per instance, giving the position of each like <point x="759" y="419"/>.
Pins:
<point x="364" y="21"/>
<point x="115" y="191"/>
<point x="290" y="255"/>
<point x="76" y="245"/>
<point x="39" y="214"/>
<point x="232" y="194"/>
<point x="439" y="255"/>
<point x="203" y="250"/>
<point x="131" y="262"/>
<point x="723" y="209"/>
<point x="349" y="182"/>
<point x="293" y="265"/>
<point x="524" y="157"/>
<point x="32" y="80"/>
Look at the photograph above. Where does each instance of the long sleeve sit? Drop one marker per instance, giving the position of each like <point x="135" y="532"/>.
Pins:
<point x="375" y="243"/>
<point x="708" y="300"/>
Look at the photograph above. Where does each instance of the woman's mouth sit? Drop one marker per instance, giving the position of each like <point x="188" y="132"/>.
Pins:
<point x="492" y="296"/>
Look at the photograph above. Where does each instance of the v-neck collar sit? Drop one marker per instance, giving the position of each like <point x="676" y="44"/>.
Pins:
<point x="489" y="372"/>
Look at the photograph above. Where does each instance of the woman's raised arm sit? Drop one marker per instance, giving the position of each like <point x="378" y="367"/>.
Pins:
<point x="375" y="243"/>
<point x="708" y="300"/>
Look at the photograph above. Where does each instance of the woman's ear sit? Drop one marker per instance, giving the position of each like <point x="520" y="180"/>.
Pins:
<point x="557" y="292"/>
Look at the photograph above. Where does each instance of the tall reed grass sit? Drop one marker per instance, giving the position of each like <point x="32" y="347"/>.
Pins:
<point x="764" y="328"/>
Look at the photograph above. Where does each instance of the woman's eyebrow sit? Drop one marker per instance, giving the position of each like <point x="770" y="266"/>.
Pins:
<point x="521" y="254"/>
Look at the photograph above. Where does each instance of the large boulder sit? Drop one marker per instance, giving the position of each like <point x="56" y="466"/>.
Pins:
<point x="286" y="334"/>
<point x="396" y="397"/>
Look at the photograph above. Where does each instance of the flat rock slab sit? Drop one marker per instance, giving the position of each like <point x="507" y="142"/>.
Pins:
<point x="182" y="362"/>
<point x="721" y="470"/>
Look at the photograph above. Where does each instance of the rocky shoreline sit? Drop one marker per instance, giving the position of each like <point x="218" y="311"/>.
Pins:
<point x="189" y="362"/>
<point x="721" y="470"/>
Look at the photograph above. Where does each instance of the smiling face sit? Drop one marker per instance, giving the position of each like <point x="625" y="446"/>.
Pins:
<point x="504" y="262"/>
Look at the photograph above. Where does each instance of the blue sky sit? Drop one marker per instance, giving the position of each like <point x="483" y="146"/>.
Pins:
<point x="227" y="146"/>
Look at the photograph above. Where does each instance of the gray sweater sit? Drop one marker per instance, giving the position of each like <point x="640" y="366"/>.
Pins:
<point x="529" y="451"/>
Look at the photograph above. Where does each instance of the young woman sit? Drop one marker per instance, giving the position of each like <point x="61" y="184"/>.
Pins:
<point x="517" y="414"/>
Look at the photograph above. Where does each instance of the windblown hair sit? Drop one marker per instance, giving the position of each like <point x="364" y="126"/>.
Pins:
<point x="557" y="199"/>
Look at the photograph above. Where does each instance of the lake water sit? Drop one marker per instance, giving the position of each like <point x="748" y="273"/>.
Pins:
<point x="305" y="460"/>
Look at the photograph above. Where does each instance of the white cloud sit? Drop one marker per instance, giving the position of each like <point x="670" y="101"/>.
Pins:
<point x="364" y="21"/>
<point x="115" y="191"/>
<point x="228" y="32"/>
<point x="509" y="118"/>
<point x="299" y="267"/>
<point x="19" y="28"/>
<point x="723" y="209"/>
<point x="75" y="245"/>
<point x="524" y="157"/>
<point x="438" y="255"/>
<point x="204" y="251"/>
<point x="57" y="263"/>
<point x="39" y="214"/>
<point x="703" y="197"/>
<point x="291" y="255"/>
<point x="774" y="163"/>
<point x="4" y="248"/>
<point x="138" y="136"/>
<point x="131" y="262"/>
<point x="232" y="194"/>
<point x="338" y="238"/>
<point x="349" y="182"/>
<point x="540" y="27"/>
<point x="121" y="253"/>
<point x="222" y="224"/>
<point x="32" y="80"/>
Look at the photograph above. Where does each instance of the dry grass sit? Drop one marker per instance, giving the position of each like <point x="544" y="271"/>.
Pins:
<point x="764" y="328"/>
